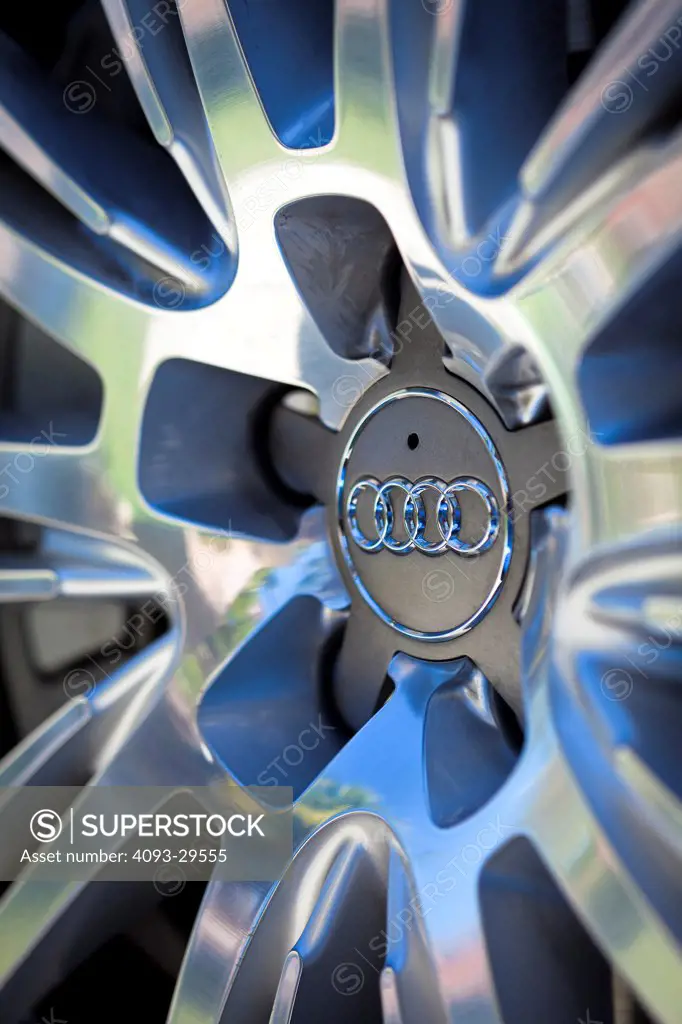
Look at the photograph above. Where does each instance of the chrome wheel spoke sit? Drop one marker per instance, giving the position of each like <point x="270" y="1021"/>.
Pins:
<point x="93" y="180"/>
<point x="227" y="91"/>
<point x="468" y="187"/>
<point x="224" y="926"/>
<point x="625" y="924"/>
<point x="591" y="286"/>
<point x="651" y="471"/>
<point x="630" y="83"/>
<point x="362" y="58"/>
<point x="69" y="745"/>
<point x="414" y="985"/>
<point x="77" y="570"/>
<point x="362" y="775"/>
<point x="110" y="331"/>
<point x="62" y="752"/>
<point x="53" y="484"/>
<point x="163" y="80"/>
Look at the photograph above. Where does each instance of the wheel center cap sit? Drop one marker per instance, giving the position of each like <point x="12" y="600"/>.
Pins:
<point x="424" y="514"/>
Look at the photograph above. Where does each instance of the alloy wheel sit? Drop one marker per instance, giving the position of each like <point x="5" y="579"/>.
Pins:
<point x="366" y="333"/>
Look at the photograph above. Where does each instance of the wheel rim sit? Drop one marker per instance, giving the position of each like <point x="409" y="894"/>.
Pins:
<point x="585" y="196"/>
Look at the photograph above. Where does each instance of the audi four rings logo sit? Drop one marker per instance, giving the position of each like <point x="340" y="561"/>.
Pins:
<point x="389" y="508"/>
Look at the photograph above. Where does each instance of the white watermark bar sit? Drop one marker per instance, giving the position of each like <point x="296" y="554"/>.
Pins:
<point x="144" y="833"/>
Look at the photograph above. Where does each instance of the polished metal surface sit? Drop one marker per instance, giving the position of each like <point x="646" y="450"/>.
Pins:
<point x="542" y="247"/>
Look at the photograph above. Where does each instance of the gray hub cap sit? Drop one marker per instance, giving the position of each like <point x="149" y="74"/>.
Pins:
<point x="449" y="499"/>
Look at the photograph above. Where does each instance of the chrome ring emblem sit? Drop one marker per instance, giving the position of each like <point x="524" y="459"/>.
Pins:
<point x="387" y="512"/>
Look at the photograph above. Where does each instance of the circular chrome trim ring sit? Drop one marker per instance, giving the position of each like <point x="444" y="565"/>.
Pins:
<point x="504" y="527"/>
